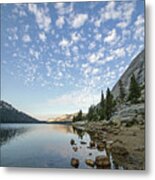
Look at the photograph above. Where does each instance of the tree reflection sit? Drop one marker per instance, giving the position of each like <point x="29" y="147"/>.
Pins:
<point x="79" y="132"/>
<point x="6" y="134"/>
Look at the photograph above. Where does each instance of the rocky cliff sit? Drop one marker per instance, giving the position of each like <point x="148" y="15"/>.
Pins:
<point x="137" y="67"/>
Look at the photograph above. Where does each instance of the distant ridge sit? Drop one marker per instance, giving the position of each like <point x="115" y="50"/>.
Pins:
<point x="62" y="118"/>
<point x="8" y="114"/>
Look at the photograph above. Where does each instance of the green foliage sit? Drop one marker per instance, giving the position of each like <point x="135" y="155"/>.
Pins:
<point x="109" y="104"/>
<point x="91" y="113"/>
<point x="134" y="90"/>
<point x="79" y="117"/>
<point x="121" y="91"/>
<point x="11" y="115"/>
<point x="102" y="107"/>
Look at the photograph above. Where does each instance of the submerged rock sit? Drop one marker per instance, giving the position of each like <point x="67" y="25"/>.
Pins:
<point x="92" y="144"/>
<point x="72" y="142"/>
<point x="75" y="148"/>
<point x="90" y="154"/>
<point x="90" y="162"/>
<point x="83" y="142"/>
<point x="75" y="162"/>
<point x="102" y="162"/>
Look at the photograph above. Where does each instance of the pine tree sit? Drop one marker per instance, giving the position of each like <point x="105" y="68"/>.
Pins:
<point x="78" y="117"/>
<point x="109" y="104"/>
<point x="102" y="107"/>
<point x="121" y="91"/>
<point x="91" y="112"/>
<point x="134" y="90"/>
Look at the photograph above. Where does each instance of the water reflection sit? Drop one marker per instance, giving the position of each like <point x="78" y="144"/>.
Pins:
<point x="49" y="145"/>
<point x="7" y="134"/>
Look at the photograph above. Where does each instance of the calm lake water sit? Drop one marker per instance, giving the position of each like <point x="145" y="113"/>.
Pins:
<point x="44" y="145"/>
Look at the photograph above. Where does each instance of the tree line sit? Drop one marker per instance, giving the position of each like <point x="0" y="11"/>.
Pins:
<point x="107" y="105"/>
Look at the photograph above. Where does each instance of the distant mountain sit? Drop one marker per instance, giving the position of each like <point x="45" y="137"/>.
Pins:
<point x="8" y="114"/>
<point x="62" y="118"/>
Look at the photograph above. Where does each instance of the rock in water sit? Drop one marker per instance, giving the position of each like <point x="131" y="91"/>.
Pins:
<point x="83" y="142"/>
<point x="75" y="162"/>
<point x="102" y="162"/>
<point x="100" y="146"/>
<point x="72" y="142"/>
<point x="75" y="148"/>
<point x="90" y="162"/>
<point x="92" y="144"/>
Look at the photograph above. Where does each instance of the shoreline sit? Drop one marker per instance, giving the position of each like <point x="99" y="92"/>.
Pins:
<point x="126" y="144"/>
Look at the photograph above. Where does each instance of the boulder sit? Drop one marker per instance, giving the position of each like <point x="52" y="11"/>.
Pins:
<point x="90" y="162"/>
<point x="75" y="162"/>
<point x="102" y="161"/>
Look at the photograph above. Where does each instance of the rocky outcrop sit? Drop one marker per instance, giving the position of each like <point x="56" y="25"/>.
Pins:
<point x="137" y="67"/>
<point x="129" y="114"/>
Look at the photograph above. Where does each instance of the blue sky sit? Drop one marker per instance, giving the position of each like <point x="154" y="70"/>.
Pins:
<point x="57" y="57"/>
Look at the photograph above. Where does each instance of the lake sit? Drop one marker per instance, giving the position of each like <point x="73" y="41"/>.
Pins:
<point x="45" y="146"/>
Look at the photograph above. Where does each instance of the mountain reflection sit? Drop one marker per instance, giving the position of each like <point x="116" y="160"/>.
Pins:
<point x="8" y="134"/>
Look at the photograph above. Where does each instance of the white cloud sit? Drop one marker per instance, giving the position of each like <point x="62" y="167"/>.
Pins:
<point x="82" y="100"/>
<point x="111" y="36"/>
<point x="110" y="12"/>
<point x="98" y="22"/>
<point x="95" y="71"/>
<point x="131" y="49"/>
<point x="126" y="10"/>
<point x="64" y="43"/>
<point x="42" y="18"/>
<point x="92" y="45"/>
<point x="98" y="37"/>
<point x="60" y="21"/>
<point x="34" y="53"/>
<point x="75" y="49"/>
<point x="48" y="68"/>
<point x="120" y="52"/>
<point x="122" y="13"/>
<point x="139" y="28"/>
<point x="75" y="36"/>
<point x="26" y="38"/>
<point x="79" y="20"/>
<point x="93" y="58"/>
<point x="42" y="36"/>
<point x="63" y="8"/>
<point x="59" y="5"/>
<point x="122" y="24"/>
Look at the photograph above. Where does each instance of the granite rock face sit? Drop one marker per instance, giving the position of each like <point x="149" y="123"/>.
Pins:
<point x="137" y="67"/>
